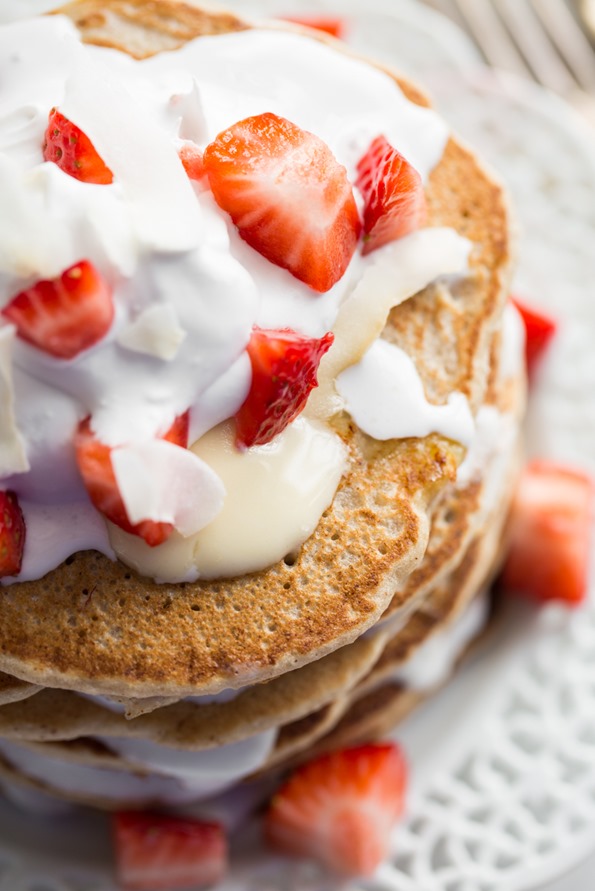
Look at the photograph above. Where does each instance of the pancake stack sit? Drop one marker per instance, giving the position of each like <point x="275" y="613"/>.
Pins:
<point x="120" y="691"/>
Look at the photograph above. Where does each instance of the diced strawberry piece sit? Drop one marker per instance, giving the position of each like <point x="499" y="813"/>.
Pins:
<point x="12" y="534"/>
<point x="284" y="367"/>
<point x="539" y="330"/>
<point x="95" y="466"/>
<point x="288" y="196"/>
<point x="193" y="160"/>
<point x="550" y="530"/>
<point x="154" y="851"/>
<point x="65" y="315"/>
<point x="332" y="25"/>
<point x="393" y="193"/>
<point x="340" y="808"/>
<point x="68" y="147"/>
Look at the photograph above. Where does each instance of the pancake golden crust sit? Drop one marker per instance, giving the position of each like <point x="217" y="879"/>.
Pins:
<point x="97" y="627"/>
<point x="63" y="715"/>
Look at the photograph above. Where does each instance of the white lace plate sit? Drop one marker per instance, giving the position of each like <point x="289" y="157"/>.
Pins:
<point x="502" y="791"/>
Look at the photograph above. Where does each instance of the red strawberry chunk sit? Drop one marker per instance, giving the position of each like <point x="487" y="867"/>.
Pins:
<point x="332" y="25"/>
<point x="340" y="808"/>
<point x="68" y="147"/>
<point x="550" y="533"/>
<point x="393" y="193"/>
<point x="288" y="196"/>
<point x="284" y="368"/>
<point x="65" y="315"/>
<point x="154" y="851"/>
<point x="193" y="160"/>
<point x="95" y="466"/>
<point x="12" y="534"/>
<point x="539" y="330"/>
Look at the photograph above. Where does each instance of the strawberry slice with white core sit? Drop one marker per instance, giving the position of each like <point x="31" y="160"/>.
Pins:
<point x="393" y="193"/>
<point x="67" y="146"/>
<point x="284" y="369"/>
<point x="340" y="808"/>
<point x="155" y="852"/>
<point x="550" y="534"/>
<point x="65" y="315"/>
<point x="539" y="330"/>
<point x="288" y="196"/>
<point x="94" y="460"/>
<point x="12" y="535"/>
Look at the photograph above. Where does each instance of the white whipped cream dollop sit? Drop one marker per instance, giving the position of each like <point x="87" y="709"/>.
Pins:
<point x="186" y="289"/>
<point x="385" y="395"/>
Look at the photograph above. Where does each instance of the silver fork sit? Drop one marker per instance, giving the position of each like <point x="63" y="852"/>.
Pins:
<point x="539" y="39"/>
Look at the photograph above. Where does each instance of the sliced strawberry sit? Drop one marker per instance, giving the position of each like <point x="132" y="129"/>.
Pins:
<point x="340" y="808"/>
<point x="393" y="193"/>
<point x="550" y="532"/>
<point x="539" y="330"/>
<point x="12" y="534"/>
<point x="95" y="466"/>
<point x="193" y="160"/>
<point x="288" y="196"/>
<point x="68" y="147"/>
<point x="332" y="25"/>
<point x="65" y="315"/>
<point x="284" y="367"/>
<point x="154" y="851"/>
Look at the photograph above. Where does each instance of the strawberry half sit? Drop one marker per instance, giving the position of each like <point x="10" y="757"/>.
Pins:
<point x="393" y="193"/>
<point x="65" y="315"/>
<point x="95" y="466"/>
<point x="328" y="24"/>
<point x="12" y="534"/>
<point x="340" y="808"/>
<point x="284" y="367"/>
<point x="539" y="330"/>
<point x="288" y="196"/>
<point x="67" y="146"/>
<point x="550" y="532"/>
<point x="154" y="851"/>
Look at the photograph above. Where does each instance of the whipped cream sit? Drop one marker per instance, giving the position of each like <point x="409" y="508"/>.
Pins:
<point x="166" y="775"/>
<point x="385" y="396"/>
<point x="187" y="289"/>
<point x="434" y="661"/>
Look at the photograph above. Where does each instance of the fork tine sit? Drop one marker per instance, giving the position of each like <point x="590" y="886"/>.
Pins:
<point x="541" y="56"/>
<point x="487" y="30"/>
<point x="570" y="39"/>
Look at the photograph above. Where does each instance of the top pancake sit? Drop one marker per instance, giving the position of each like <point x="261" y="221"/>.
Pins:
<point x="96" y="626"/>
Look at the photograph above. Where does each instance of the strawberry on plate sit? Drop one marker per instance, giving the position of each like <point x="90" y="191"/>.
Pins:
<point x="393" y="193"/>
<point x="288" y="196"/>
<point x="539" y="330"/>
<point x="550" y="531"/>
<point x="332" y="25"/>
<point x="154" y="852"/>
<point x="284" y="367"/>
<point x="340" y="808"/>
<point x="67" y="146"/>
<point x="65" y="315"/>
<point x="12" y="535"/>
<point x="95" y="466"/>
